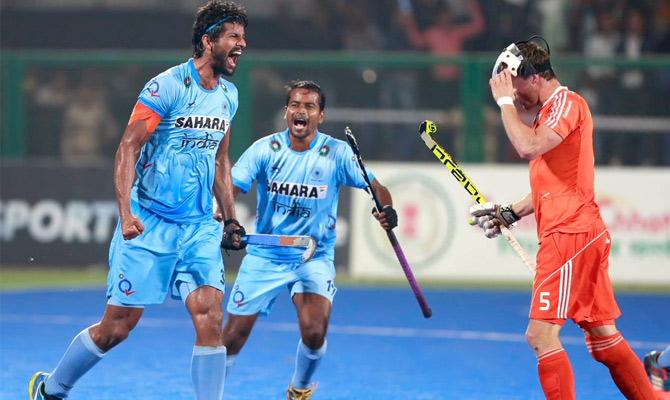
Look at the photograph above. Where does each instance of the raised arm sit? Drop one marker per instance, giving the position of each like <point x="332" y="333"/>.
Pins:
<point x="476" y="23"/>
<point x="529" y="143"/>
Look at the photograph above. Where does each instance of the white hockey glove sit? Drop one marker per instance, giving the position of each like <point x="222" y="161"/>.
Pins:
<point x="490" y="216"/>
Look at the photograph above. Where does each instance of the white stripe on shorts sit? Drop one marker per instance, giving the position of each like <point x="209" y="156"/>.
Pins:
<point x="564" y="290"/>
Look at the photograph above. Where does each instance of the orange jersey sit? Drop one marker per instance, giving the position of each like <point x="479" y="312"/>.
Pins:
<point x="561" y="179"/>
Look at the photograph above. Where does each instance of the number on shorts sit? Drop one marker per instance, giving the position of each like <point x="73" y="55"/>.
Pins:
<point x="544" y="301"/>
<point x="331" y="286"/>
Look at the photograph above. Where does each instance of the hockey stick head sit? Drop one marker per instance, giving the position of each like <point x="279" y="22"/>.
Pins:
<point x="309" y="250"/>
<point x="428" y="126"/>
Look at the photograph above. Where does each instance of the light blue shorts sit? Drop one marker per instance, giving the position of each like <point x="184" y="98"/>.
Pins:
<point x="142" y="270"/>
<point x="260" y="281"/>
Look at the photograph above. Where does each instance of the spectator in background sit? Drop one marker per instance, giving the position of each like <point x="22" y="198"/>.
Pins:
<point x="49" y="102"/>
<point x="88" y="127"/>
<point x="445" y="37"/>
<point x="359" y="31"/>
<point x="603" y="43"/>
<point x="553" y="22"/>
<point x="583" y="21"/>
<point x="635" y="41"/>
<point x="508" y="18"/>
<point x="637" y="98"/>
<point x="601" y="80"/>
<point x="399" y="90"/>
<point x="400" y="85"/>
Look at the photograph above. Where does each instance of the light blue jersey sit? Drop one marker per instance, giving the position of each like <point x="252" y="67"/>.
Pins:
<point x="176" y="169"/>
<point x="172" y="196"/>
<point x="297" y="191"/>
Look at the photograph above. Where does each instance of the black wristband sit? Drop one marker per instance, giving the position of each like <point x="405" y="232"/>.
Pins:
<point x="508" y="215"/>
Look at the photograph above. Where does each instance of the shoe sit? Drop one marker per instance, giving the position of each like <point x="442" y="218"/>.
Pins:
<point x="657" y="374"/>
<point x="36" y="387"/>
<point x="300" y="394"/>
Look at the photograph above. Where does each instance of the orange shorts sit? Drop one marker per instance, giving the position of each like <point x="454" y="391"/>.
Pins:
<point x="572" y="280"/>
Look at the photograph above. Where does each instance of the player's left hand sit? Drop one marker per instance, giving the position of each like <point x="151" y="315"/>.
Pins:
<point x="388" y="217"/>
<point x="232" y="235"/>
<point x="501" y="85"/>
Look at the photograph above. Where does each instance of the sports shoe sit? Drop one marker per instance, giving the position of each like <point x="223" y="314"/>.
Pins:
<point x="36" y="387"/>
<point x="657" y="374"/>
<point x="300" y="394"/>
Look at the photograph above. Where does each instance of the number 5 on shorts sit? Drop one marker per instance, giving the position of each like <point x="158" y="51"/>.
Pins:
<point x="545" y="304"/>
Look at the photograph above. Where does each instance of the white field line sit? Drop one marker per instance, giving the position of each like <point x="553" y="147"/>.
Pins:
<point x="356" y="330"/>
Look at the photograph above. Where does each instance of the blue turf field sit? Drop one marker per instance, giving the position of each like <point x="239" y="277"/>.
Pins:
<point x="379" y="347"/>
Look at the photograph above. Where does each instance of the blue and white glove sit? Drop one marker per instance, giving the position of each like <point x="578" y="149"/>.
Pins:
<point x="490" y="216"/>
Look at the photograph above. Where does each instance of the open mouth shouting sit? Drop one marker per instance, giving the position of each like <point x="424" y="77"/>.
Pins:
<point x="234" y="57"/>
<point x="299" y="122"/>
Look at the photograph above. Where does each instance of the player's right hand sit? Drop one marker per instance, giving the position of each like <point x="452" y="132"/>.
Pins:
<point x="232" y="235"/>
<point x="131" y="227"/>
<point x="388" y="217"/>
<point x="489" y="224"/>
<point x="490" y="216"/>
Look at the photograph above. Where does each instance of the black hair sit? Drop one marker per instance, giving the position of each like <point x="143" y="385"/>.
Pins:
<point x="309" y="85"/>
<point x="210" y="20"/>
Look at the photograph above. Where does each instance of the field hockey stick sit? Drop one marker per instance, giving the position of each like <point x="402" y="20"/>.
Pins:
<point x="428" y="128"/>
<point x="307" y="242"/>
<point x="418" y="293"/>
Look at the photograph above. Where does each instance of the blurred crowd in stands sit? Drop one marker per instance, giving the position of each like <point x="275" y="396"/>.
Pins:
<point x="71" y="104"/>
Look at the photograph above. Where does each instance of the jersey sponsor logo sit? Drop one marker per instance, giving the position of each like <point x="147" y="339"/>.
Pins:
<point x="203" y="122"/>
<point x="298" y="190"/>
<point x="294" y="209"/>
<point x="205" y="142"/>
<point x="153" y="89"/>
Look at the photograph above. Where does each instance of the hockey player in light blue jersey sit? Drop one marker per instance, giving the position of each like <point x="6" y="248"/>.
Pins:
<point x="172" y="158"/>
<point x="299" y="173"/>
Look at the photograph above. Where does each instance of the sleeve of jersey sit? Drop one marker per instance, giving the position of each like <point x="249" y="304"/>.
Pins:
<point x="246" y="169"/>
<point x="562" y="115"/>
<point x="349" y="172"/>
<point x="160" y="94"/>
<point x="144" y="113"/>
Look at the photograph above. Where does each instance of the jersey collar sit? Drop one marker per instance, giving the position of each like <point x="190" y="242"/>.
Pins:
<point x="196" y="77"/>
<point x="311" y="145"/>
